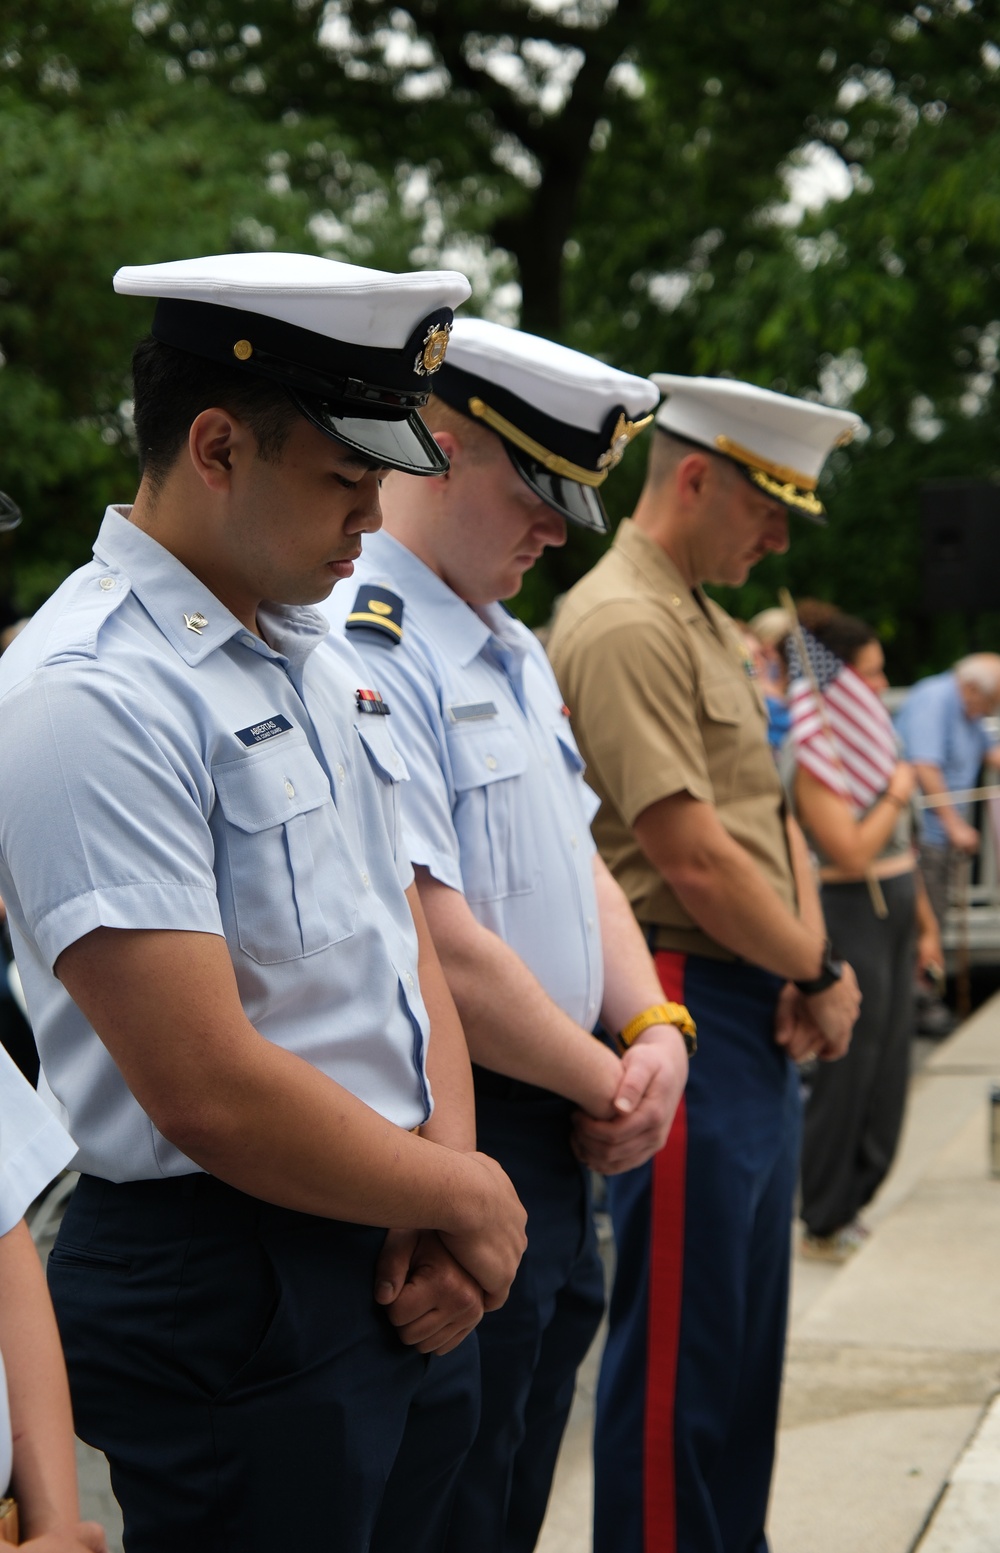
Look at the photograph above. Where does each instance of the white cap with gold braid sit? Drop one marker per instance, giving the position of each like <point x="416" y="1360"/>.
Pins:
<point x="780" y="442"/>
<point x="565" y="419"/>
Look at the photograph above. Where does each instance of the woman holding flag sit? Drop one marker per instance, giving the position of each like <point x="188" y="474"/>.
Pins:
<point x="852" y="795"/>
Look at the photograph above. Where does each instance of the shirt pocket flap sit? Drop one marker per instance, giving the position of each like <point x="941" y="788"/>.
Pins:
<point x="482" y="755"/>
<point x="382" y="752"/>
<point x="271" y="787"/>
<point x="721" y="700"/>
<point x="568" y="745"/>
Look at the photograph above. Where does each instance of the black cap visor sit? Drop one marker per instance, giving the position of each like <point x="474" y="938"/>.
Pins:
<point x="10" y="513"/>
<point x="406" y="444"/>
<point x="579" y="503"/>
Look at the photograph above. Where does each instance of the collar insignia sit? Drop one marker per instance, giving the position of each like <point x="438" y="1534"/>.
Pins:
<point x="196" y="622"/>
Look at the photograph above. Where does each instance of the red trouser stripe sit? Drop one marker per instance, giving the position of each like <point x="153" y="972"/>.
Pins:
<point x="666" y="1269"/>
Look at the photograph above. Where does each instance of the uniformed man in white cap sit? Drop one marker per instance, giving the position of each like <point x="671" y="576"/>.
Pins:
<point x="535" y="938"/>
<point x="692" y="824"/>
<point x="224" y="955"/>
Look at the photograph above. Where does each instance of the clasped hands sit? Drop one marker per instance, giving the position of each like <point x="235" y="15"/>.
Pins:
<point x="819" y="1026"/>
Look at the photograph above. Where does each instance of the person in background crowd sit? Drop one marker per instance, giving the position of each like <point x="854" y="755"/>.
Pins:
<point x="692" y="824"/>
<point x="37" y="1451"/>
<point x="944" y="735"/>
<point x="535" y="937"/>
<point x="770" y="627"/>
<point x="851" y="794"/>
<point x="236" y="999"/>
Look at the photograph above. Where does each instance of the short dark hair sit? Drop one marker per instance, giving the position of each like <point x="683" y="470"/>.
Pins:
<point x="171" y="388"/>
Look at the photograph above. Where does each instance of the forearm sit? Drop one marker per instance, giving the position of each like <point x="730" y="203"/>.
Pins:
<point x="927" y="922"/>
<point x="453" y="1120"/>
<point x="511" y="1024"/>
<point x="244" y="1109"/>
<point x="724" y="891"/>
<point x="631" y="984"/>
<point x="44" y="1474"/>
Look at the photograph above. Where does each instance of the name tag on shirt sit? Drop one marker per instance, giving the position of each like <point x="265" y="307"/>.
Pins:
<point x="259" y="733"/>
<point x="472" y="711"/>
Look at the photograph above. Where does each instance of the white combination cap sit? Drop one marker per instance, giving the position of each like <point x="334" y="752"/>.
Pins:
<point x="565" y="419"/>
<point x="780" y="442"/>
<point x="355" y="348"/>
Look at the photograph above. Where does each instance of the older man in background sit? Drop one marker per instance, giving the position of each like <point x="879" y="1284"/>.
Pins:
<point x="942" y="727"/>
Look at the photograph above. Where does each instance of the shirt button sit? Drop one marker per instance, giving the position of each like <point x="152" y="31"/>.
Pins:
<point x="410" y="982"/>
<point x="590" y="922"/>
<point x="573" y="841"/>
<point x="366" y="881"/>
<point x="341" y="773"/>
<point x="289" y="789"/>
<point x="491" y="762"/>
<point x="107" y="583"/>
<point x="247" y="641"/>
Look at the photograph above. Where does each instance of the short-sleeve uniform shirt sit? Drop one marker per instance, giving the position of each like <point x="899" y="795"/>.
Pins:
<point x="496" y="806"/>
<point x="935" y="731"/>
<point x="662" y="703"/>
<point x="164" y="768"/>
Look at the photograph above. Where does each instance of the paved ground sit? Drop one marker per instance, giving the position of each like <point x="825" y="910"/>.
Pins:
<point x="890" y="1439"/>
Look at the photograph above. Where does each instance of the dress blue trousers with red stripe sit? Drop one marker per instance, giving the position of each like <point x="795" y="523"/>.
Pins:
<point x="687" y="1402"/>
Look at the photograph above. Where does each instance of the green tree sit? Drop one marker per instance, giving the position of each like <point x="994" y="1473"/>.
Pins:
<point x="640" y="133"/>
<point x="888" y="300"/>
<point x="106" y="162"/>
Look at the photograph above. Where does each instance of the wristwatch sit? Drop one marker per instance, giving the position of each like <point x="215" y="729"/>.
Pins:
<point x="830" y="971"/>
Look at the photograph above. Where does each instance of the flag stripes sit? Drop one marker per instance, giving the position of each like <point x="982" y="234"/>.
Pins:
<point x="845" y="739"/>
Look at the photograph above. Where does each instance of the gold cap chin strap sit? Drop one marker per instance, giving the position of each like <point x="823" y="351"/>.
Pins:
<point x="622" y="435"/>
<point x="804" y="500"/>
<point x="781" y="472"/>
<point x="778" y="480"/>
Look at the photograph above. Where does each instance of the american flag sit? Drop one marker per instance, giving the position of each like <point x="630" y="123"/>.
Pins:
<point x="849" y="745"/>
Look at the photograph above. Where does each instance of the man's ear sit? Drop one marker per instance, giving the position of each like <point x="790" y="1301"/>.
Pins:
<point x="450" y="447"/>
<point x="692" y="475"/>
<point x="213" y="437"/>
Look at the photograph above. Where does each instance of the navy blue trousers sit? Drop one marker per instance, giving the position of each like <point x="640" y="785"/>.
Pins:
<point x="228" y="1358"/>
<point x="531" y="1348"/>
<point x="687" y="1402"/>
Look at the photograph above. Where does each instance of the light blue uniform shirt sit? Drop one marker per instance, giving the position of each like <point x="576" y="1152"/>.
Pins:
<point x="496" y="805"/>
<point x="934" y="729"/>
<point x="155" y="776"/>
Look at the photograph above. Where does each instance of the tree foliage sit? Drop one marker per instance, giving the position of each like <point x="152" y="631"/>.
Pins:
<point x="612" y="174"/>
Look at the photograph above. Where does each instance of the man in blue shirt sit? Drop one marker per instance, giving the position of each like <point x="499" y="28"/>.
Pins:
<point x="536" y="939"/>
<point x="943" y="733"/>
<point x="223" y="952"/>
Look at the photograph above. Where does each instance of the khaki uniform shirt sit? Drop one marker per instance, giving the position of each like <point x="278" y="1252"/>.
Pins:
<point x="662" y="703"/>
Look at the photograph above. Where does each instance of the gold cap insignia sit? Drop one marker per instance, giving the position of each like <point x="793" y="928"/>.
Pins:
<point x="620" y="439"/>
<point x="431" y="356"/>
<point x="196" y="622"/>
<point x="242" y="350"/>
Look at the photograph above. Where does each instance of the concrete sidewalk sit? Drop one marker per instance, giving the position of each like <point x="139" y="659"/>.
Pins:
<point x="889" y="1442"/>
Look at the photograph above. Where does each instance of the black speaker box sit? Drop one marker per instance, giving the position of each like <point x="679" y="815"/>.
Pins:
<point x="960" y="524"/>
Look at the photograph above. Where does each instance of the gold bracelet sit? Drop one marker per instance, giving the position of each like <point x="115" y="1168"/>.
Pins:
<point x="661" y="1014"/>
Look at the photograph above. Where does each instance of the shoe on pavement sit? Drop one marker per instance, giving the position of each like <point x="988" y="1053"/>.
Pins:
<point x="836" y="1248"/>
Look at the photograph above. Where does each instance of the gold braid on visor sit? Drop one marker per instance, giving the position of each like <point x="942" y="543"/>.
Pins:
<point x="551" y="461"/>
<point x="778" y="480"/>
